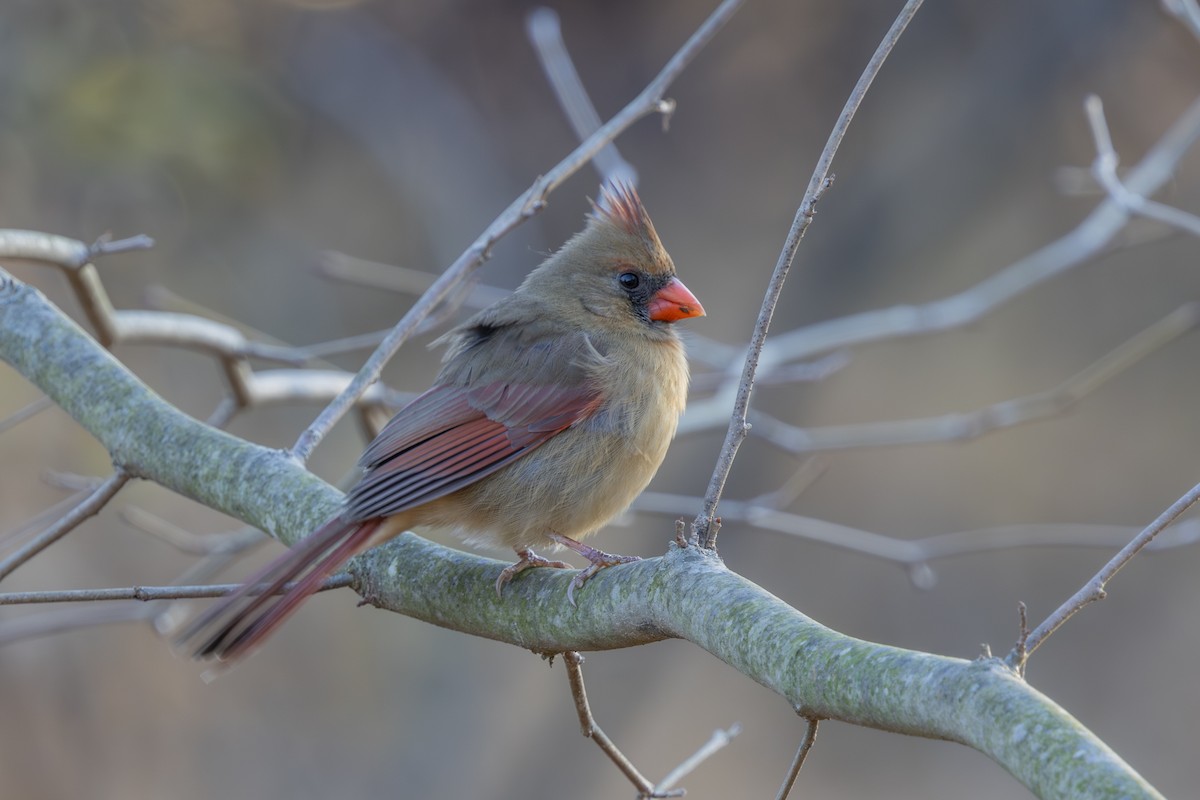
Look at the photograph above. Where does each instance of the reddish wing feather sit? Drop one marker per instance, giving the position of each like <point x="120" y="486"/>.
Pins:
<point x="447" y="438"/>
<point x="454" y="436"/>
<point x="438" y="409"/>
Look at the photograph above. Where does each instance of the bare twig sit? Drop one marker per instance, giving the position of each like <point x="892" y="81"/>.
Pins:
<point x="187" y="541"/>
<point x="650" y="101"/>
<point x="769" y="375"/>
<point x="131" y="326"/>
<point x="62" y="620"/>
<point x="810" y="738"/>
<point x="395" y="278"/>
<point x="916" y="554"/>
<point x="22" y="414"/>
<point x="703" y="530"/>
<point x="545" y="33"/>
<point x="86" y="508"/>
<point x="1021" y="648"/>
<point x="1104" y="169"/>
<point x="716" y="742"/>
<point x="107" y="246"/>
<point x="150" y="593"/>
<point x="71" y="481"/>
<point x="42" y="517"/>
<point x="973" y="424"/>
<point x="1090" y="238"/>
<point x="574" y="664"/>
<point x="266" y="387"/>
<point x="1093" y="590"/>
<point x="63" y="251"/>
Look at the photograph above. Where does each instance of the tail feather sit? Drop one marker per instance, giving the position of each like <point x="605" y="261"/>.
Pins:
<point x="237" y="623"/>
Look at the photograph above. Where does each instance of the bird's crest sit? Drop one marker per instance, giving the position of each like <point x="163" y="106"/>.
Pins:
<point x="620" y="205"/>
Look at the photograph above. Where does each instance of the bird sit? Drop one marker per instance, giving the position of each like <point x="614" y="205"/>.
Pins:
<point x="553" y="409"/>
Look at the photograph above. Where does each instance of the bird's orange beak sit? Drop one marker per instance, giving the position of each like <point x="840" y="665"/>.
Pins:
<point x="674" y="302"/>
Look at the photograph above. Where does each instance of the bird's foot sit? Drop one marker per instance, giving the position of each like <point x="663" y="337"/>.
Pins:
<point x="527" y="559"/>
<point x="598" y="558"/>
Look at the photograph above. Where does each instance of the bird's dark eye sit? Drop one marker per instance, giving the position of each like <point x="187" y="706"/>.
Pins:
<point x="629" y="281"/>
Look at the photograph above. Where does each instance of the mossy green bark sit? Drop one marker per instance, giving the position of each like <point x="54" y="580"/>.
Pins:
<point x="688" y="593"/>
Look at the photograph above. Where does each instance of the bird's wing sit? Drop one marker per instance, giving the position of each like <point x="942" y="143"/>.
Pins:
<point x="452" y="436"/>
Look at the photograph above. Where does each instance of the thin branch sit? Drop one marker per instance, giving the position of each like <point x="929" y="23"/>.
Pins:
<point x="256" y="388"/>
<point x="150" y="593"/>
<point x="1093" y="590"/>
<point x="107" y="246"/>
<point x="44" y="516"/>
<point x="88" y="507"/>
<point x="769" y="375"/>
<point x="63" y="251"/>
<point x="62" y="620"/>
<point x="545" y="33"/>
<point x="167" y="328"/>
<point x="1021" y="648"/>
<point x="821" y="178"/>
<point x="650" y="101"/>
<point x="187" y="541"/>
<point x="810" y="738"/>
<point x="718" y="741"/>
<point x="974" y="424"/>
<point x="916" y="554"/>
<point x="573" y="662"/>
<point x="267" y="387"/>
<point x="1104" y="169"/>
<point x="131" y="326"/>
<point x="20" y="415"/>
<point x="404" y="280"/>
<point x="1090" y="238"/>
<point x="71" y="481"/>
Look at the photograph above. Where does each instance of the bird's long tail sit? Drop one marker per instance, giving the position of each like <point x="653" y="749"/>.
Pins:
<point x="239" y="622"/>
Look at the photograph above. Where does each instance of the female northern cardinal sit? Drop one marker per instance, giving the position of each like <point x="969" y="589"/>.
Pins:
<point x="553" y="410"/>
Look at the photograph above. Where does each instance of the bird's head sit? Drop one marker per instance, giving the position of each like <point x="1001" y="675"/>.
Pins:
<point x="617" y="270"/>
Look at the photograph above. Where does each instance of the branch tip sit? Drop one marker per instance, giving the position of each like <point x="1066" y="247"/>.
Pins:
<point x="105" y="245"/>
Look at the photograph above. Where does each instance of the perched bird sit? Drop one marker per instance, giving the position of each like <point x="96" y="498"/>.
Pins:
<point x="553" y="409"/>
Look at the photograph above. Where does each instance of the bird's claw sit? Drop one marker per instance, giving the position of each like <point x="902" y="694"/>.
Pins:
<point x="600" y="560"/>
<point x="527" y="559"/>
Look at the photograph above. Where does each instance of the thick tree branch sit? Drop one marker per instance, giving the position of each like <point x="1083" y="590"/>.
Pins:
<point x="687" y="594"/>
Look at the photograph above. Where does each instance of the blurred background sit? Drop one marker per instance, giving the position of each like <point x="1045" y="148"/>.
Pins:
<point x="250" y="138"/>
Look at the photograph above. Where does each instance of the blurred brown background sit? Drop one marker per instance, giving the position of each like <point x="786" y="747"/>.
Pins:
<point x="249" y="137"/>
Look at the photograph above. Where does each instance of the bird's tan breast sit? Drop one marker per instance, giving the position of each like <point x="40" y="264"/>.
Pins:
<point x="589" y="473"/>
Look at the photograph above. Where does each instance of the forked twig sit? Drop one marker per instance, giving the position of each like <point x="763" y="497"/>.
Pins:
<point x="1104" y="170"/>
<point x="587" y="723"/>
<point x="1093" y="590"/>
<point x="718" y="740"/>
